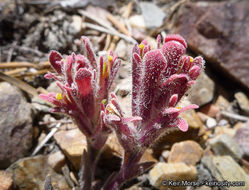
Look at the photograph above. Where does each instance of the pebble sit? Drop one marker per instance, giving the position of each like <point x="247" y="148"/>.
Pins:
<point x="148" y="157"/>
<point x="30" y="173"/>
<point x="6" y="181"/>
<point x="124" y="87"/>
<point x="211" y="123"/>
<point x="202" y="91"/>
<point x="165" y="155"/>
<point x="243" y="102"/>
<point x="16" y="130"/>
<point x="192" y="119"/>
<point x="72" y="143"/>
<point x="242" y="138"/>
<point x="188" y="152"/>
<point x="222" y="103"/>
<point x="224" y="168"/>
<point x="76" y="25"/>
<point x="211" y="110"/>
<point x="219" y="130"/>
<point x="56" y="160"/>
<point x="121" y="49"/>
<point x="225" y="145"/>
<point x="137" y="21"/>
<point x="53" y="87"/>
<point x="152" y="14"/>
<point x="171" y="171"/>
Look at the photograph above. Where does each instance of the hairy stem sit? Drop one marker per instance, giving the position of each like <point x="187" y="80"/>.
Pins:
<point x="88" y="165"/>
<point x="127" y="171"/>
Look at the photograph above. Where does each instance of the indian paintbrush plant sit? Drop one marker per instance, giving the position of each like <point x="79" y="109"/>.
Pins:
<point x="160" y="78"/>
<point x="85" y="84"/>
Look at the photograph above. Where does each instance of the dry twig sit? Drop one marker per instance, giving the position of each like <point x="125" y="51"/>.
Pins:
<point x="45" y="140"/>
<point x="15" y="71"/>
<point x="115" y="33"/>
<point x="8" y="65"/>
<point x="119" y="25"/>
<point x="20" y="84"/>
<point x="234" y="116"/>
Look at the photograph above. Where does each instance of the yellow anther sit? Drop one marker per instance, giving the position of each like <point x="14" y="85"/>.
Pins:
<point x="141" y="46"/>
<point x="109" y="58"/>
<point x="103" y="101"/>
<point x="191" y="59"/>
<point x="178" y="107"/>
<point x="58" y="96"/>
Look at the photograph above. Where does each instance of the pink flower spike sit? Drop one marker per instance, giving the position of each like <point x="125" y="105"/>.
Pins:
<point x="89" y="52"/>
<point x="83" y="80"/>
<point x="194" y="72"/>
<point x="55" y="61"/>
<point x="174" y="77"/>
<point x="177" y="38"/>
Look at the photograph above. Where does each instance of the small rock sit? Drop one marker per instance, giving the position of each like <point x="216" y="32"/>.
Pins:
<point x="30" y="173"/>
<point x="211" y="122"/>
<point x="223" y="122"/>
<point x="171" y="171"/>
<point x="203" y="173"/>
<point x="53" y="87"/>
<point x="124" y="87"/>
<point x="242" y="138"/>
<point x="113" y="147"/>
<point x="121" y="49"/>
<point x="6" y="181"/>
<point x="148" y="157"/>
<point x="202" y="91"/>
<point x="224" y="168"/>
<point x="165" y="155"/>
<point x="203" y="117"/>
<point x="56" y="160"/>
<point x="225" y="145"/>
<point x="211" y="29"/>
<point x="76" y="25"/>
<point x="188" y="152"/>
<point x="72" y="143"/>
<point x="42" y="137"/>
<point x="192" y="119"/>
<point x="124" y="71"/>
<point x="243" y="102"/>
<point x="210" y="109"/>
<point x="190" y="116"/>
<point x="152" y="14"/>
<point x="239" y="125"/>
<point x="126" y="104"/>
<point x="222" y="103"/>
<point x="220" y="130"/>
<point x="40" y="105"/>
<point x="15" y="125"/>
<point x="137" y="21"/>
